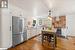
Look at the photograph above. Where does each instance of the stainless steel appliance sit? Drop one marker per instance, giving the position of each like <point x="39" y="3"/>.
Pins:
<point x="18" y="31"/>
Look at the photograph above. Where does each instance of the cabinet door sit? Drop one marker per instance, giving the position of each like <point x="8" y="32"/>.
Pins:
<point x="28" y="34"/>
<point x="25" y="36"/>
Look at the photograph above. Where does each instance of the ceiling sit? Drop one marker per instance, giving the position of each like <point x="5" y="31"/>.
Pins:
<point x="41" y="7"/>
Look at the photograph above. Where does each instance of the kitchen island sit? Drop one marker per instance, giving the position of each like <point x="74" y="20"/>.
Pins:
<point x="50" y="36"/>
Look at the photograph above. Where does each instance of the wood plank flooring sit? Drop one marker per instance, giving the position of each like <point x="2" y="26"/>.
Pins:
<point x="35" y="44"/>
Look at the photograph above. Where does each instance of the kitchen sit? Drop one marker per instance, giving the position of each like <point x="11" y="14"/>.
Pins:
<point x="33" y="12"/>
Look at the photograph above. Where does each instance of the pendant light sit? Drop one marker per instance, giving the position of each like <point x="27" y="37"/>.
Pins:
<point x="49" y="16"/>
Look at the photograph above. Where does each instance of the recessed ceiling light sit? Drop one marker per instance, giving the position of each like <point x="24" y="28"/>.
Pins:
<point x="4" y="3"/>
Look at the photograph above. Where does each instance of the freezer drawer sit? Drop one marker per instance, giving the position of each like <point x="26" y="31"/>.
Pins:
<point x="16" y="39"/>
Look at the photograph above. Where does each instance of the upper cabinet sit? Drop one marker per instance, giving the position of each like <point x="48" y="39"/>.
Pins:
<point x="61" y="22"/>
<point x="45" y="22"/>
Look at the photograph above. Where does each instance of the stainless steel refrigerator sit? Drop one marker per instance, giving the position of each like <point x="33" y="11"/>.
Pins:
<point x="18" y="31"/>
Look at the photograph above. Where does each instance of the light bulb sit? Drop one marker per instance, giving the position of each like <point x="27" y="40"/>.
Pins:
<point x="4" y="4"/>
<point x="50" y="18"/>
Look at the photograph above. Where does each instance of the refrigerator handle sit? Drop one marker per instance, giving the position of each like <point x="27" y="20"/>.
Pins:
<point x="10" y="28"/>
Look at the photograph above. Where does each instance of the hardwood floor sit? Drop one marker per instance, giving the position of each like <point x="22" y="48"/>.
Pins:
<point x="35" y="44"/>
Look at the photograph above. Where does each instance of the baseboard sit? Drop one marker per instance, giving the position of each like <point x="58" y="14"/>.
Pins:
<point x="34" y="36"/>
<point x="71" y="36"/>
<point x="3" y="48"/>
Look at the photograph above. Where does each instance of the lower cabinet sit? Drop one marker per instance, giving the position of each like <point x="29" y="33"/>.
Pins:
<point x="28" y="34"/>
<point x="33" y="32"/>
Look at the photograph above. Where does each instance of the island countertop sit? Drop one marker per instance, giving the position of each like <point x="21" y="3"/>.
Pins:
<point x="48" y="31"/>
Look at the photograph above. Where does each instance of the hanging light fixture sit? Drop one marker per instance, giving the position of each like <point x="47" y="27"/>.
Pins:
<point x="3" y="3"/>
<point x="49" y="16"/>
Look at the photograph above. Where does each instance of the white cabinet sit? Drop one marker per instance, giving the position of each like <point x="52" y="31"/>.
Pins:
<point x="28" y="34"/>
<point x="31" y="32"/>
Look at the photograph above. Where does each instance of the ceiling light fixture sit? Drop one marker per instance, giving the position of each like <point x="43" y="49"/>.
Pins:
<point x="4" y="4"/>
<point x="49" y="16"/>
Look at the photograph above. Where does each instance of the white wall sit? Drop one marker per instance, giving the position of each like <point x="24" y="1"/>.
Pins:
<point x="0" y="27"/>
<point x="71" y="24"/>
<point x="5" y="29"/>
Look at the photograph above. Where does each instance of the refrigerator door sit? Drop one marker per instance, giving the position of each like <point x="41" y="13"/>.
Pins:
<point x="20" y="25"/>
<point x="22" y="29"/>
<point x="15" y="25"/>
